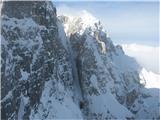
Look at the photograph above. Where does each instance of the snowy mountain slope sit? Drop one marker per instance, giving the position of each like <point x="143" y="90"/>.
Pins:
<point x="152" y="80"/>
<point x="67" y="68"/>
<point x="107" y="73"/>
<point x="146" y="55"/>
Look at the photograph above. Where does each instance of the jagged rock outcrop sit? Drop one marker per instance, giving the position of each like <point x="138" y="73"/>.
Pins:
<point x="36" y="68"/>
<point x="66" y="68"/>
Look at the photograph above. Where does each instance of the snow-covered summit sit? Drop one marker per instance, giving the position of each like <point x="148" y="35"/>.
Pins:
<point x="83" y="21"/>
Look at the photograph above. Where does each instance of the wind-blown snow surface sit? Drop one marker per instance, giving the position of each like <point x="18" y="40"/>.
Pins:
<point x="66" y="68"/>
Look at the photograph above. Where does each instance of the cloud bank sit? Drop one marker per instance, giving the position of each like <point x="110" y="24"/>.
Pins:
<point x="146" y="56"/>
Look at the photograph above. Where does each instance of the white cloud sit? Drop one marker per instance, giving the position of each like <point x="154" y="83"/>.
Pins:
<point x="63" y="9"/>
<point x="146" y="56"/>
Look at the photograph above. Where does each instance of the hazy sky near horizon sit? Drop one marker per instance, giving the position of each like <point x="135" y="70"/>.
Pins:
<point x="125" y="22"/>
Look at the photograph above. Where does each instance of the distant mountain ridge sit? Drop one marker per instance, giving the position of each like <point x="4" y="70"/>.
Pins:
<point x="67" y="67"/>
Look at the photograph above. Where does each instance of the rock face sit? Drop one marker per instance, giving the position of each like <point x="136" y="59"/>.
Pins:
<point x="34" y="61"/>
<point x="66" y="68"/>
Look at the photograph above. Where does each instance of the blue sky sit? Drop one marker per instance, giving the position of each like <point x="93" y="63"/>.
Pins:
<point x="126" y="22"/>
